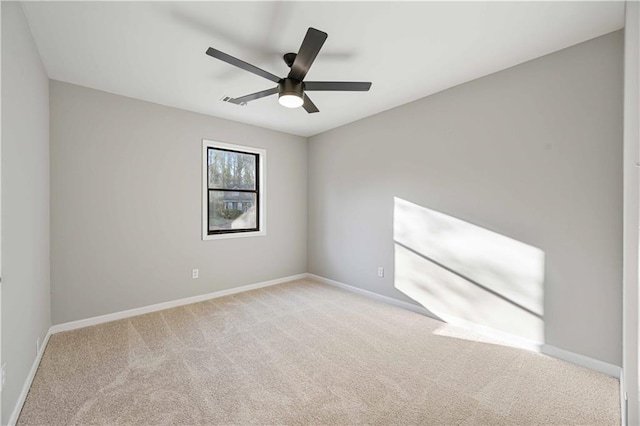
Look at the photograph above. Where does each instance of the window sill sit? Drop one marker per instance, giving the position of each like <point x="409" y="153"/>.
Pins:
<point x="234" y="235"/>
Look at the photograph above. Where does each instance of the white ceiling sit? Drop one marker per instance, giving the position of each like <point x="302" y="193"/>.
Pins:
<point x="155" y="51"/>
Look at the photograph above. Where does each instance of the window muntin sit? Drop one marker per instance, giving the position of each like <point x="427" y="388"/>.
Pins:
<point x="233" y="190"/>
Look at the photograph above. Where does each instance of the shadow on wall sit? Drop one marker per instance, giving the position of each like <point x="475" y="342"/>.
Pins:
<point x="462" y="271"/>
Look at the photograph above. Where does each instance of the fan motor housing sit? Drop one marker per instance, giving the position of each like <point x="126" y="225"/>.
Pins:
<point x="289" y="86"/>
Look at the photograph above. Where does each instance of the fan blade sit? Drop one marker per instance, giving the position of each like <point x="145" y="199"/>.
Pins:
<point x="311" y="45"/>
<point x="253" y="96"/>
<point x="309" y="106"/>
<point x="349" y="86"/>
<point x="242" y="64"/>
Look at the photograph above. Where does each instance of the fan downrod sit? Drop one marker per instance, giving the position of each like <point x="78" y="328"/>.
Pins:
<point x="289" y="58"/>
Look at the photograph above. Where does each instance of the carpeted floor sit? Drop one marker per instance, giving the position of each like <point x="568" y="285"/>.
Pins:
<point x="304" y="353"/>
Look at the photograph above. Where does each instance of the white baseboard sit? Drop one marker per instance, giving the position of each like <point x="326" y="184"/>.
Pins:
<point x="511" y="340"/>
<point x="27" y="383"/>
<point x="73" y="325"/>
<point x="584" y="361"/>
<point x="390" y="300"/>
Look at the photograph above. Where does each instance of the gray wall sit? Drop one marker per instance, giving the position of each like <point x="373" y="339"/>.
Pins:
<point x="25" y="202"/>
<point x="533" y="153"/>
<point x="126" y="205"/>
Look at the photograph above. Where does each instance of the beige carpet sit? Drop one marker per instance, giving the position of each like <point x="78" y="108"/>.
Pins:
<point x="304" y="353"/>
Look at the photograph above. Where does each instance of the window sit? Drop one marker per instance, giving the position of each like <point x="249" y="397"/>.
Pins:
<point x="233" y="196"/>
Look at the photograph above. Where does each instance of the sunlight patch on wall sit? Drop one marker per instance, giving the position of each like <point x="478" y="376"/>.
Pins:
<point x="463" y="271"/>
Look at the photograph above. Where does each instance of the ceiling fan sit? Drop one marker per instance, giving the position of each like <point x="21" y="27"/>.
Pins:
<point x="291" y="89"/>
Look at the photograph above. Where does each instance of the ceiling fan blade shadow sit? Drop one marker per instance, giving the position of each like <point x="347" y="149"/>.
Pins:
<point x="242" y="64"/>
<point x="309" y="106"/>
<point x="309" y="49"/>
<point x="278" y="17"/>
<point x="261" y="52"/>
<point x="346" y="86"/>
<point x="252" y="97"/>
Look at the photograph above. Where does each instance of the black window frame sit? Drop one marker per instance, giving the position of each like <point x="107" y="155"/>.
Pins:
<point x="256" y="191"/>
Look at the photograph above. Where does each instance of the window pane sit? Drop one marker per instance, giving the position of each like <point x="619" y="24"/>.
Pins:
<point x="232" y="210"/>
<point x="231" y="170"/>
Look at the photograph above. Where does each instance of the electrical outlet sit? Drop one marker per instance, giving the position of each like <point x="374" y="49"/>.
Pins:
<point x="195" y="274"/>
<point x="37" y="346"/>
<point x="380" y="271"/>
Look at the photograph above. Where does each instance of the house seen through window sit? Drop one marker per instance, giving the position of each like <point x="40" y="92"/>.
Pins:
<point x="233" y="189"/>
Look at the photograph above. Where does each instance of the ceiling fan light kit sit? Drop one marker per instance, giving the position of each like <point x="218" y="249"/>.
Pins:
<point x="291" y="89"/>
<point x="291" y="93"/>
